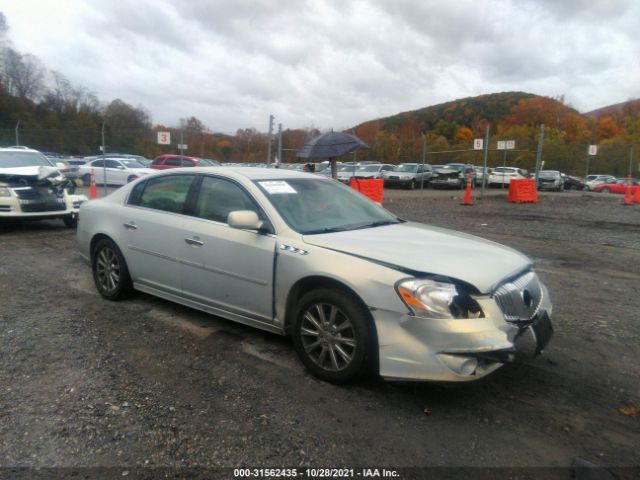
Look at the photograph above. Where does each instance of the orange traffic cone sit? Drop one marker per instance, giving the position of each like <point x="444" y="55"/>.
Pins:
<point x="93" y="193"/>
<point x="467" y="193"/>
<point x="636" y="196"/>
<point x="627" y="193"/>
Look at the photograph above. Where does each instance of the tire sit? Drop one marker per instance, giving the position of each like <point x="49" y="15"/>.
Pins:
<point x="412" y="185"/>
<point x="70" y="221"/>
<point x="573" y="187"/>
<point x="131" y="178"/>
<point x="339" y="351"/>
<point x="86" y="179"/>
<point x="107" y="261"/>
<point x="605" y="190"/>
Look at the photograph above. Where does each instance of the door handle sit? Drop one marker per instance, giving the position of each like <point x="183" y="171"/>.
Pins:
<point x="194" y="241"/>
<point x="130" y="226"/>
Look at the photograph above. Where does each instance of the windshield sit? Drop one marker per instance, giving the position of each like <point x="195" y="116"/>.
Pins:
<point x="130" y="163"/>
<point x="503" y="170"/>
<point x="23" y="159"/>
<point x="310" y="205"/>
<point x="407" y="167"/>
<point x="369" y="168"/>
<point x="548" y="174"/>
<point x="346" y="168"/>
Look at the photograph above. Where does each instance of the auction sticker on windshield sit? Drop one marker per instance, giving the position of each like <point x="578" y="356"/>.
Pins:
<point x="277" y="186"/>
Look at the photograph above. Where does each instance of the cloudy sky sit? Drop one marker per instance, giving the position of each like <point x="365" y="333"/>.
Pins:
<point x="330" y="63"/>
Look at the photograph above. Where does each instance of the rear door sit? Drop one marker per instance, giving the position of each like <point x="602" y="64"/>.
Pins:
<point x="227" y="268"/>
<point x="153" y="226"/>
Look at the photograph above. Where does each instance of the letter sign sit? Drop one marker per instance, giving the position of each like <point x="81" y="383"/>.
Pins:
<point x="477" y="144"/>
<point x="593" y="149"/>
<point x="502" y="145"/>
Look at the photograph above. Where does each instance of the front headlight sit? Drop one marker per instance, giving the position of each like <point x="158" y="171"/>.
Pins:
<point x="406" y="177"/>
<point x="438" y="300"/>
<point x="5" y="192"/>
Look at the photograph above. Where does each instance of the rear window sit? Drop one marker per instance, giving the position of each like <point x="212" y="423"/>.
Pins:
<point x="166" y="193"/>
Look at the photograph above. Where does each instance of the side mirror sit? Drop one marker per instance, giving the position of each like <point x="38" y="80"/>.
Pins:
<point x="244" y="220"/>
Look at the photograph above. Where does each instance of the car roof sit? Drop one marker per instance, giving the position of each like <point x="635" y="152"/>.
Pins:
<point x="250" y="173"/>
<point x="18" y="150"/>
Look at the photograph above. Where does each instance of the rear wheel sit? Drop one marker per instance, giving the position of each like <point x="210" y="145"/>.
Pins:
<point x="606" y="190"/>
<point x="332" y="335"/>
<point x="110" y="272"/>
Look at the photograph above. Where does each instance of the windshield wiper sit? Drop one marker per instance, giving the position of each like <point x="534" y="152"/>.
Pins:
<point x="378" y="223"/>
<point x="327" y="230"/>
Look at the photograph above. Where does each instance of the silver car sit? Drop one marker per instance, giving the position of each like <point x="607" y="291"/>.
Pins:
<point x="357" y="288"/>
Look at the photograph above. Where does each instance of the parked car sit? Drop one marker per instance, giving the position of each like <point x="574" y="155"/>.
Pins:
<point x="357" y="288"/>
<point x="550" y="180"/>
<point x="592" y="180"/>
<point x="503" y="175"/>
<point x="408" y="175"/>
<point x="164" y="162"/>
<point x="619" y="186"/>
<point x="32" y="188"/>
<point x="365" y="169"/>
<point x="452" y="175"/>
<point x="118" y="170"/>
<point x="572" y="183"/>
<point x="481" y="174"/>
<point x="65" y="167"/>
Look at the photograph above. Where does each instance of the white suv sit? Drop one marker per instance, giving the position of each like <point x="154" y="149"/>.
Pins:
<point x="504" y="175"/>
<point x="31" y="187"/>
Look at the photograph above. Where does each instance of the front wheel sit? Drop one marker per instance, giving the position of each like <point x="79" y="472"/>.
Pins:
<point x="110" y="272"/>
<point x="605" y="190"/>
<point x="332" y="335"/>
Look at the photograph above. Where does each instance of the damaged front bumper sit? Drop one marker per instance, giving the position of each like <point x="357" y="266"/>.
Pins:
<point x="457" y="350"/>
<point x="37" y="194"/>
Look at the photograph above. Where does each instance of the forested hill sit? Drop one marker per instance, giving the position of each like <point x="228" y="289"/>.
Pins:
<point x="468" y="112"/>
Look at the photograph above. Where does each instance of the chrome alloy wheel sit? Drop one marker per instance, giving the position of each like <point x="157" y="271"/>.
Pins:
<point x="328" y="337"/>
<point x="108" y="269"/>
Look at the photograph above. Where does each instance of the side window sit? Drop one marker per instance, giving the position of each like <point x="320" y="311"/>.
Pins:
<point x="174" y="162"/>
<point x="136" y="193"/>
<point x="97" y="164"/>
<point x="157" y="161"/>
<point x="167" y="193"/>
<point x="112" y="164"/>
<point x="187" y="163"/>
<point x="218" y="198"/>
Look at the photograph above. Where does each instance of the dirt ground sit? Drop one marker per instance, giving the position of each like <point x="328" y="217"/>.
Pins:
<point x="145" y="383"/>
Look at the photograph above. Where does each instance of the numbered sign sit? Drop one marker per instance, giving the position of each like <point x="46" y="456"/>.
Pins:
<point x="478" y="143"/>
<point x="511" y="144"/>
<point x="164" y="138"/>
<point x="593" y="149"/>
<point x="502" y="145"/>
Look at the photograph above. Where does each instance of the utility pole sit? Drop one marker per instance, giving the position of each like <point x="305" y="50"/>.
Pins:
<point x="630" y="161"/>
<point x="271" y="118"/>
<point x="17" y="133"/>
<point x="279" y="160"/>
<point x="424" y="158"/>
<point x="181" y="139"/>
<point x="539" y="152"/>
<point x="104" y="163"/>
<point x="485" y="158"/>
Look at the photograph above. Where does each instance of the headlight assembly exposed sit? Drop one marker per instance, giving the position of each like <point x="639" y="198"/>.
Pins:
<point x="5" y="192"/>
<point x="430" y="299"/>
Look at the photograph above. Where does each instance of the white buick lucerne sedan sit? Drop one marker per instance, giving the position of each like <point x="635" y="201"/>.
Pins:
<point x="356" y="288"/>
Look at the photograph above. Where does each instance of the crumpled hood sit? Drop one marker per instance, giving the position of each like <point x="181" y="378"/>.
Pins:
<point x="429" y="250"/>
<point x="32" y="175"/>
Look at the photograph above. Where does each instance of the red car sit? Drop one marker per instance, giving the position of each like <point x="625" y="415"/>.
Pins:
<point x="619" y="186"/>
<point x="163" y="162"/>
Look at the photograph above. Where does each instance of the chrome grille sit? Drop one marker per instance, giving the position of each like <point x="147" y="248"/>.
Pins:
<point x="519" y="299"/>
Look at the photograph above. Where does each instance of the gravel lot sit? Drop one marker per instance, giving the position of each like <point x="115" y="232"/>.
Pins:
<point x="89" y="383"/>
